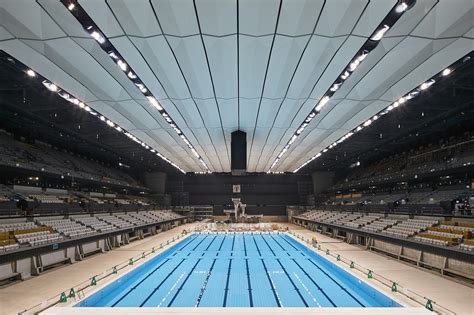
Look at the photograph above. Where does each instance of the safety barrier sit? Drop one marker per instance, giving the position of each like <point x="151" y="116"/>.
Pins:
<point x="79" y="291"/>
<point x="394" y="286"/>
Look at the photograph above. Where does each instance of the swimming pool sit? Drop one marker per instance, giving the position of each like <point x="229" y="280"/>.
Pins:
<point x="238" y="270"/>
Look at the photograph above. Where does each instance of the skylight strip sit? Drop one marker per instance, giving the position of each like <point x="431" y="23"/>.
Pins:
<point x="401" y="101"/>
<point x="392" y="17"/>
<point x="93" y="30"/>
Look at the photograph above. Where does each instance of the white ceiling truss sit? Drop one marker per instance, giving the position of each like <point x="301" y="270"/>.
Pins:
<point x="216" y="66"/>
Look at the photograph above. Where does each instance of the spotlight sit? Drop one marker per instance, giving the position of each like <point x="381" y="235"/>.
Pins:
<point x="446" y="72"/>
<point x="380" y="33"/>
<point x="71" y="7"/>
<point x="31" y="73"/>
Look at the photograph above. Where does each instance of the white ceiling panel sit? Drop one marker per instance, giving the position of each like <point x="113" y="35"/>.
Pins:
<point x="192" y="59"/>
<point x="339" y="17"/>
<point x="253" y="58"/>
<point x="220" y="16"/>
<point x="222" y="56"/>
<point x="258" y="18"/>
<point x="286" y="53"/>
<point x="100" y="12"/>
<point x="299" y="17"/>
<point x="136" y="17"/>
<point x="176" y="17"/>
<point x="160" y="58"/>
<point x="289" y="52"/>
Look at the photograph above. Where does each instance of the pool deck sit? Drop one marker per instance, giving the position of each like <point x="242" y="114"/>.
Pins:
<point x="454" y="296"/>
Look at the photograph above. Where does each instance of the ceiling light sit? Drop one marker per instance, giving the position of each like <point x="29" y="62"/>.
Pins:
<point x="98" y="37"/>
<point x="427" y="84"/>
<point x="122" y="65"/>
<point x="50" y="86"/>
<point x="118" y="128"/>
<point x="345" y="75"/>
<point x="113" y="55"/>
<point x="402" y="7"/>
<point x="446" y="72"/>
<point x="31" y="73"/>
<point x="380" y="33"/>
<point x="321" y="103"/>
<point x="354" y="65"/>
<point x="154" y="102"/>
<point x="102" y="118"/>
<point x="131" y="75"/>
<point x="335" y="87"/>
<point x="110" y="123"/>
<point x="71" y="6"/>
<point x="367" y="123"/>
<point x="401" y="100"/>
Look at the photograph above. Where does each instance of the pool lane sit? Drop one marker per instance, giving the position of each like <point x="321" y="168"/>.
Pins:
<point x="237" y="270"/>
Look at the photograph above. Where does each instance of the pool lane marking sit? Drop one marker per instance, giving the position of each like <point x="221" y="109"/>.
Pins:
<point x="161" y="283"/>
<point x="271" y="249"/>
<point x="314" y="282"/>
<point x="284" y="249"/>
<point x="148" y="275"/>
<point x="258" y="250"/>
<point x="211" y="243"/>
<point x="184" y="282"/>
<point x="204" y="286"/>
<point x="223" y="239"/>
<point x="248" y="281"/>
<point x="232" y="250"/>
<point x="334" y="280"/>
<point x="294" y="285"/>
<point x="171" y="289"/>
<point x="307" y="290"/>
<point x="245" y="246"/>
<point x="227" y="284"/>
<point x="140" y="282"/>
<point x="272" y="285"/>
<point x="327" y="275"/>
<point x="200" y="243"/>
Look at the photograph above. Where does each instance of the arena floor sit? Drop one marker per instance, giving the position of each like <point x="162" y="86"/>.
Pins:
<point x="456" y="297"/>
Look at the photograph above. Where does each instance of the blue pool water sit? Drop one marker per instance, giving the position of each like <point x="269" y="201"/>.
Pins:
<point x="238" y="270"/>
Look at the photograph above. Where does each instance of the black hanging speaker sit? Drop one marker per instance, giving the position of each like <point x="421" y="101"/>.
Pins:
<point x="238" y="153"/>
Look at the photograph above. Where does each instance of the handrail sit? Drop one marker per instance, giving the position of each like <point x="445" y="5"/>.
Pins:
<point x="79" y="290"/>
<point x="395" y="287"/>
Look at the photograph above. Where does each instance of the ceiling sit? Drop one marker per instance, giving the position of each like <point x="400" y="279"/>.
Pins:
<point x="221" y="65"/>
<point x="28" y="109"/>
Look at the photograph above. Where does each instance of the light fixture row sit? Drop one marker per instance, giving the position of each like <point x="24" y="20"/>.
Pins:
<point x="401" y="101"/>
<point x="372" y="42"/>
<point x="93" y="30"/>
<point x="80" y="104"/>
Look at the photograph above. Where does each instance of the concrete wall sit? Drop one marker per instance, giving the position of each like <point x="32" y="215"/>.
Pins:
<point x="322" y="181"/>
<point x="156" y="181"/>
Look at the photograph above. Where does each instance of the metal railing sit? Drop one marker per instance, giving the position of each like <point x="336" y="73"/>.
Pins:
<point x="81" y="290"/>
<point x="394" y="286"/>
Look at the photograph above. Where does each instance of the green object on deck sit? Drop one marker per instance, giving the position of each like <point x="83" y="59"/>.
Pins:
<point x="130" y="262"/>
<point x="351" y="265"/>
<point x="327" y="251"/>
<point x="143" y="255"/>
<point x="394" y="287"/>
<point x="72" y="293"/>
<point x="114" y="270"/>
<point x="429" y="305"/>
<point x="338" y="257"/>
<point x="63" y="298"/>
<point x="319" y="247"/>
<point x="153" y="250"/>
<point x="369" y="274"/>
<point x="93" y="281"/>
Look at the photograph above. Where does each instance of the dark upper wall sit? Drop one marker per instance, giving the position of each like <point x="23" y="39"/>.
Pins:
<point x="263" y="193"/>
